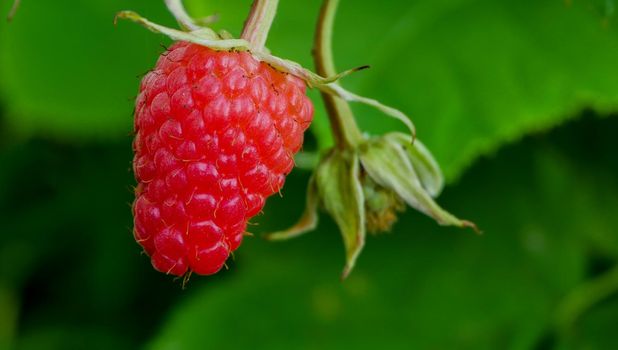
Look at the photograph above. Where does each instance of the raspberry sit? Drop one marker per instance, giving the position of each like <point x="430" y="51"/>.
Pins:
<point x="215" y="135"/>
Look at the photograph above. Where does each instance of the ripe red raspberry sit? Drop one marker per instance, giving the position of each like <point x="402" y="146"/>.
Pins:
<point x="215" y="135"/>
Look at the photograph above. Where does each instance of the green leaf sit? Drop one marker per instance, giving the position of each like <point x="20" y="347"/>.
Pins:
<point x="474" y="74"/>
<point x="66" y="235"/>
<point x="66" y="70"/>
<point x="425" y="286"/>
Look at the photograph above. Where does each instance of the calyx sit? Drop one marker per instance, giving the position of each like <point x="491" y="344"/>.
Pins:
<point x="363" y="180"/>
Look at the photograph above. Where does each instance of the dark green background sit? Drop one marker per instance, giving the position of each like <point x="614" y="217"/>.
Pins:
<point x="517" y="100"/>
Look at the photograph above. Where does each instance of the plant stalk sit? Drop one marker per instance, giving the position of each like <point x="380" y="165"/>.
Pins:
<point x="344" y="128"/>
<point x="258" y="23"/>
<point x="584" y="297"/>
<point x="13" y="10"/>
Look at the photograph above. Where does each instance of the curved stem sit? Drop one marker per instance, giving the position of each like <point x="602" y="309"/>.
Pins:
<point x="344" y="127"/>
<point x="584" y="297"/>
<point x="258" y="23"/>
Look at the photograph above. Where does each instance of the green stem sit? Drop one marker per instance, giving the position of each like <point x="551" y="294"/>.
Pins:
<point x="13" y="10"/>
<point x="8" y="317"/>
<point x="344" y="127"/>
<point x="584" y="297"/>
<point x="258" y="23"/>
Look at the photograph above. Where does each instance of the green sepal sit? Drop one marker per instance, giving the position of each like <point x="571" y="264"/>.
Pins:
<point x="423" y="162"/>
<point x="341" y="192"/>
<point x="203" y="36"/>
<point x="207" y="37"/>
<point x="307" y="222"/>
<point x="389" y="165"/>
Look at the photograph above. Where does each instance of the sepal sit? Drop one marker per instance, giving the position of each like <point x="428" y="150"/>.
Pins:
<point x="341" y="193"/>
<point x="203" y="36"/>
<point x="389" y="165"/>
<point x="307" y="222"/>
<point x="423" y="162"/>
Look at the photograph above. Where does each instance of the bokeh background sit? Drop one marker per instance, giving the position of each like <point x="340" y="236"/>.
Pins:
<point x="517" y="100"/>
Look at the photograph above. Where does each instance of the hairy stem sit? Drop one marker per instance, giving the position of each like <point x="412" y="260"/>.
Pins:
<point x="343" y="126"/>
<point x="258" y="23"/>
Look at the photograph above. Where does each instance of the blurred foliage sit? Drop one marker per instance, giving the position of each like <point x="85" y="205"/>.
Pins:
<point x="472" y="74"/>
<point x="475" y="76"/>
<point x="426" y="287"/>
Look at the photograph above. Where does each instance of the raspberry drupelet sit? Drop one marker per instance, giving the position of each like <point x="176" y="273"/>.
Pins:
<point x="215" y="135"/>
